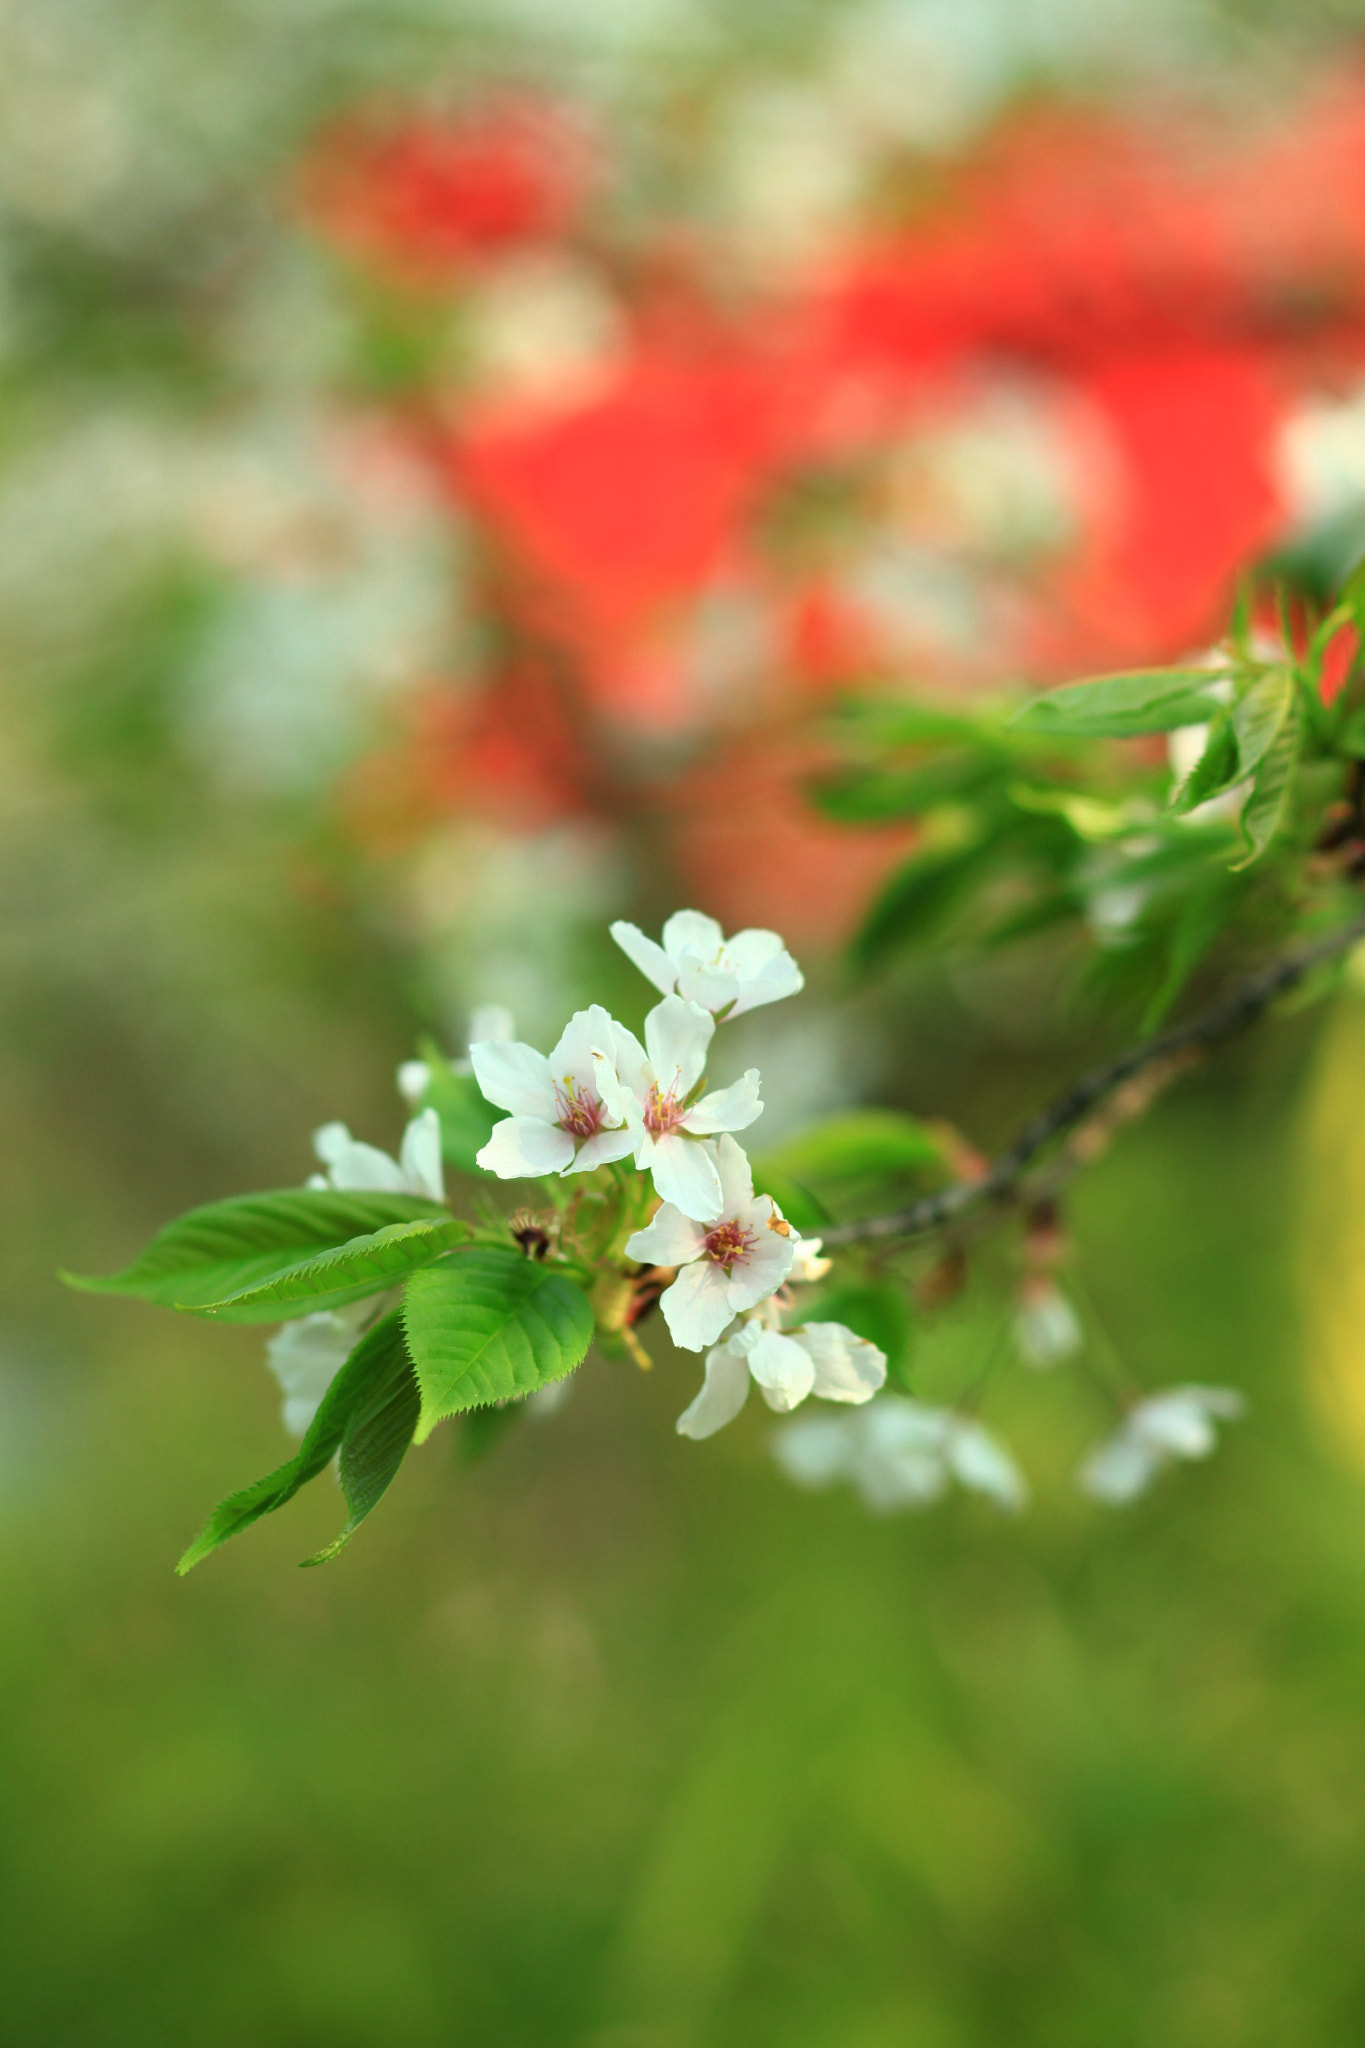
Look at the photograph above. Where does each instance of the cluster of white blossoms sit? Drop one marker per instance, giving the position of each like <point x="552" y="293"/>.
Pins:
<point x="602" y="1096"/>
<point x="727" y="1256"/>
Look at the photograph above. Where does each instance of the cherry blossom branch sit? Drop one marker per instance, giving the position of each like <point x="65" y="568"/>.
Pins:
<point x="1156" y="1060"/>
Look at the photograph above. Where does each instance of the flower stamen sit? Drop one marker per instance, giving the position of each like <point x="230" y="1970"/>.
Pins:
<point x="580" y="1110"/>
<point x="728" y="1243"/>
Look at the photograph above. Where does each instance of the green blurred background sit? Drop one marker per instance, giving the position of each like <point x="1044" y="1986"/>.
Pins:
<point x="610" y="1739"/>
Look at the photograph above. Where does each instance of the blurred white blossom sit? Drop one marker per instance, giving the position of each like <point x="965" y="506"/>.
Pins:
<point x="418" y="1169"/>
<point x="697" y="962"/>
<point x="900" y="1453"/>
<point x="1178" y="1423"/>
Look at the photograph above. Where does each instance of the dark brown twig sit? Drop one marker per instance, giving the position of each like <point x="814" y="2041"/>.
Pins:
<point x="998" y="1183"/>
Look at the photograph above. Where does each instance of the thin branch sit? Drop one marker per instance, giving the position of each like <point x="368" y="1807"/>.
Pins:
<point x="1171" y="1049"/>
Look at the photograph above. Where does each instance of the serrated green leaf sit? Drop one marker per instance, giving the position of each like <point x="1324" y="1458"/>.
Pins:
<point x="352" y="1272"/>
<point x="1122" y="706"/>
<point x="1217" y="769"/>
<point x="378" y="1362"/>
<point x="1260" y="716"/>
<point x="466" y="1119"/>
<point x="489" y="1325"/>
<point x="226" y="1247"/>
<point x="378" y="1438"/>
<point x="1264" y="808"/>
<point x="852" y="1145"/>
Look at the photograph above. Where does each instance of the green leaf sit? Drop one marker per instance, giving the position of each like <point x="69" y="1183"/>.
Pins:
<point x="378" y="1438"/>
<point x="1203" y="915"/>
<point x="489" y="1325"/>
<point x="917" y="899"/>
<point x="1264" y="808"/>
<point x="856" y="1143"/>
<point x="866" y="795"/>
<point x="466" y="1119"/>
<point x="1217" y="768"/>
<point x="228" y="1247"/>
<point x="875" y="1309"/>
<point x="1091" y="818"/>
<point x="1121" y="706"/>
<point x="798" y="1204"/>
<point x="378" y="1364"/>
<point x="352" y="1272"/>
<point x="1260" y="716"/>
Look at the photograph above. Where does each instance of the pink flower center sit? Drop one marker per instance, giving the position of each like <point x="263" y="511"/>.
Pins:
<point x="729" y="1242"/>
<point x="663" y="1111"/>
<point x="580" y="1110"/>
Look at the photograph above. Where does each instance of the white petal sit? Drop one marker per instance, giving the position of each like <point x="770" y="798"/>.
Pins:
<point x="1046" y="1326"/>
<point x="782" y="977"/>
<point x="331" y="1142"/>
<point x="1119" y="1469"/>
<point x="695" y="1307"/>
<point x="710" y="986"/>
<point x="668" y="1239"/>
<point x="420" y="1156"/>
<point x="677" y="1038"/>
<point x="979" y="1462"/>
<point x="760" y="1272"/>
<point x="588" y="1033"/>
<point x="354" y="1166"/>
<point x="306" y="1355"/>
<point x="689" y="931"/>
<point x="600" y="1150"/>
<point x="726" y="1109"/>
<point x="723" y="1393"/>
<point x="751" y="950"/>
<point x="524" y="1147"/>
<point x="783" y="1369"/>
<point x="815" y="1450"/>
<point x="908" y="1478"/>
<point x="685" y="1174"/>
<point x="414" y="1078"/>
<point x="1180" y="1421"/>
<point x="652" y="961"/>
<point x="847" y="1367"/>
<point x="514" y="1077"/>
<point x="491" y="1023"/>
<point x="807" y="1264"/>
<point x="737" y="1181"/>
<point x="897" y="1423"/>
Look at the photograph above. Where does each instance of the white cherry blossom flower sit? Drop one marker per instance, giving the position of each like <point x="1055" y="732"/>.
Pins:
<point x="822" y="1358"/>
<point x="354" y="1166"/>
<point x="1047" y="1328"/>
<point x="728" y="1264"/>
<point x="808" y="1265"/>
<point x="306" y="1355"/>
<point x="1176" y="1424"/>
<point x="900" y="1453"/>
<point x="649" y="1087"/>
<point x="560" y="1121"/>
<point x="697" y="962"/>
